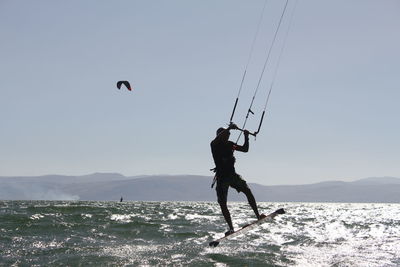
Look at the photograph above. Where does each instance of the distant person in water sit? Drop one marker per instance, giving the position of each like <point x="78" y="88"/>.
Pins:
<point x="222" y="150"/>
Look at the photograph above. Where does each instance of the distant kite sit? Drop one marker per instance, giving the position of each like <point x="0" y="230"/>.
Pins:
<point x="126" y="83"/>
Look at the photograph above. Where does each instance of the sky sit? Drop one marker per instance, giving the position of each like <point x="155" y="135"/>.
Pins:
<point x="332" y="114"/>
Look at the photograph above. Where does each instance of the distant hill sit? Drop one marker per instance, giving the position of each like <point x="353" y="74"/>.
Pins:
<point x="111" y="186"/>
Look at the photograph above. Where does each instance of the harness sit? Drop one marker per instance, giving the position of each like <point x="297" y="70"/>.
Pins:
<point x="215" y="176"/>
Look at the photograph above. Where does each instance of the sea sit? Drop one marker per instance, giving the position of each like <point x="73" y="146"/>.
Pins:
<point x="84" y="233"/>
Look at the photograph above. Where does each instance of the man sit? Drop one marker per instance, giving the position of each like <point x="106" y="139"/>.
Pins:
<point x="222" y="150"/>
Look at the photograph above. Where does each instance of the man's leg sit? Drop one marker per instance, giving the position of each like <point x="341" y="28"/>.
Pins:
<point x="241" y="186"/>
<point x="222" y="194"/>
<point x="251" y="200"/>
<point x="226" y="214"/>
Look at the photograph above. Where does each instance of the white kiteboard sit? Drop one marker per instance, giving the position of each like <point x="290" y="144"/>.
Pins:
<point x="247" y="227"/>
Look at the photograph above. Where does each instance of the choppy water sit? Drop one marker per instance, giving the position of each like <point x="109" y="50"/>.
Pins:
<point x="53" y="233"/>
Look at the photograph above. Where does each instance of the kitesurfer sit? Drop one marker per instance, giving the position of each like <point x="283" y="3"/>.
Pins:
<point x="225" y="175"/>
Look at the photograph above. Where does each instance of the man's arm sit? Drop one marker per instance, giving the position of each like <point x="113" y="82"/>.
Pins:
<point x="245" y="146"/>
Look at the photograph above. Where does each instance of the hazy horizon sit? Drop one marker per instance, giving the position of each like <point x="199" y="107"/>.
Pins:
<point x="103" y="174"/>
<point x="112" y="187"/>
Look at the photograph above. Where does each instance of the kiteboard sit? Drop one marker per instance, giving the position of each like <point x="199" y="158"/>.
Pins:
<point x="248" y="227"/>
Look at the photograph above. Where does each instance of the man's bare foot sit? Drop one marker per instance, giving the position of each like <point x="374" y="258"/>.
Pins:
<point x="262" y="216"/>
<point x="231" y="231"/>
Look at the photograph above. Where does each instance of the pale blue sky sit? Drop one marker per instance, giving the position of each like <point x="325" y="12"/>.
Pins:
<point x="333" y="112"/>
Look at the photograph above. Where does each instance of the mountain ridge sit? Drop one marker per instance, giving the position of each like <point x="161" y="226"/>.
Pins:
<point x="111" y="186"/>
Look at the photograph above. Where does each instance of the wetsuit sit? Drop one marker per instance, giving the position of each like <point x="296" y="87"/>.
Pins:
<point x="225" y="167"/>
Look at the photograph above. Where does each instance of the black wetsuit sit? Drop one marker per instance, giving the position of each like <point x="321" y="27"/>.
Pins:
<point x="225" y="167"/>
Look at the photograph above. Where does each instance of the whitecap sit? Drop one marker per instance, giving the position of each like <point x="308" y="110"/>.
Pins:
<point x="36" y="216"/>
<point x="172" y="216"/>
<point x="121" y="217"/>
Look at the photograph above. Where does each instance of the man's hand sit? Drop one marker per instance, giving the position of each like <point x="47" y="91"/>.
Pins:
<point x="246" y="133"/>
<point x="233" y="126"/>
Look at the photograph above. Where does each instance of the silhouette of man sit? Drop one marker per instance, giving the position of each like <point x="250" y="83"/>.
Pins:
<point x="222" y="150"/>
